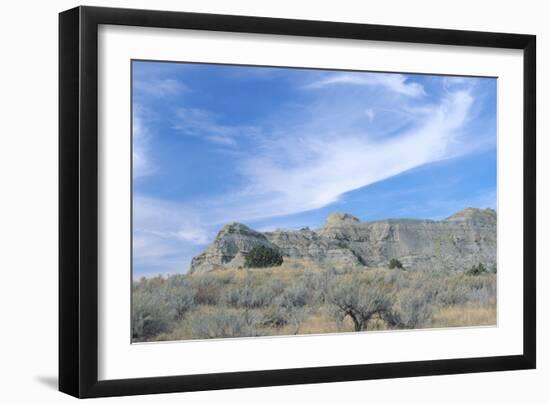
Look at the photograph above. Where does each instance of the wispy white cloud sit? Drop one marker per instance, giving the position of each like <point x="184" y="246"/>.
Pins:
<point x="141" y="136"/>
<point x="166" y="235"/>
<point x="279" y="183"/>
<point x="166" y="219"/>
<point x="205" y="124"/>
<point x="160" y="87"/>
<point x="329" y="166"/>
<point x="154" y="254"/>
<point x="303" y="163"/>
<point x="369" y="112"/>
<point x="222" y="140"/>
<point x="396" y="83"/>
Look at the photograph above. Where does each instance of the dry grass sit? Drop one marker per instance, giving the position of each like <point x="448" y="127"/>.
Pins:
<point x="292" y="299"/>
<point x="290" y="269"/>
<point x="465" y="316"/>
<point x="318" y="322"/>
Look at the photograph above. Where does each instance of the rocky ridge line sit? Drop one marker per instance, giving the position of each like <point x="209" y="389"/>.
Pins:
<point x="463" y="239"/>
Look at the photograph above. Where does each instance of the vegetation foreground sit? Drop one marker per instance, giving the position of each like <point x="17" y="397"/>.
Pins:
<point x="296" y="298"/>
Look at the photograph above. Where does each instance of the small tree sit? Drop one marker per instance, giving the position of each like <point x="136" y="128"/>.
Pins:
<point x="476" y="270"/>
<point x="357" y="299"/>
<point x="262" y="257"/>
<point x="395" y="263"/>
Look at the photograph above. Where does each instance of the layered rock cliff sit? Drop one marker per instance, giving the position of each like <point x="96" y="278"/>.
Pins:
<point x="456" y="243"/>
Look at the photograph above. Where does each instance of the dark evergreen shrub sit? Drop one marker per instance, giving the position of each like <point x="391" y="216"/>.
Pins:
<point x="262" y="257"/>
<point x="395" y="263"/>
<point x="476" y="270"/>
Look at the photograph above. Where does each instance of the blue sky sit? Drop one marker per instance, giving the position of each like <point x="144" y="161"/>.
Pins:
<point x="282" y="148"/>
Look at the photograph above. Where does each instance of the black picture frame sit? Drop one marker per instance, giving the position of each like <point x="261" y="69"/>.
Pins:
<point x="78" y="201"/>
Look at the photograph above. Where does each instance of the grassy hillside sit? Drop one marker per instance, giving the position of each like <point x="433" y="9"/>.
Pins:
<point x="298" y="298"/>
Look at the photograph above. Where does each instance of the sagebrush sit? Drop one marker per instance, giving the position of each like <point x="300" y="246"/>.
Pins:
<point x="296" y="298"/>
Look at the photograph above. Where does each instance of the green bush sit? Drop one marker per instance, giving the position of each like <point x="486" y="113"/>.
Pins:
<point x="262" y="257"/>
<point x="395" y="263"/>
<point x="476" y="270"/>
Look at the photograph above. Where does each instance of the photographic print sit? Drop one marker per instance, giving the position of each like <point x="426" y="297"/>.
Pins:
<point x="275" y="201"/>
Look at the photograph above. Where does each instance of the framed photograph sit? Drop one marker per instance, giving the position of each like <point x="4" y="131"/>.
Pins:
<point x="251" y="201"/>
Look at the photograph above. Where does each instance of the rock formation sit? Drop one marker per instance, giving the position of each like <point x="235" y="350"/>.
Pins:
<point x="232" y="243"/>
<point x="456" y="243"/>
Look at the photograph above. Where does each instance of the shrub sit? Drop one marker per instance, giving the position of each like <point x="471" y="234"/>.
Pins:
<point x="151" y="315"/>
<point x="411" y="309"/>
<point x="292" y="305"/>
<point x="249" y="296"/>
<point x="276" y="316"/>
<point x="357" y="299"/>
<point x="295" y="296"/>
<point x="476" y="270"/>
<point x="178" y="295"/>
<point x="207" y="289"/>
<point x="287" y="309"/>
<point x="395" y="263"/>
<point x="157" y="303"/>
<point x="222" y="323"/>
<point x="315" y="285"/>
<point x="245" y="303"/>
<point x="262" y="257"/>
<point x="480" y="289"/>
